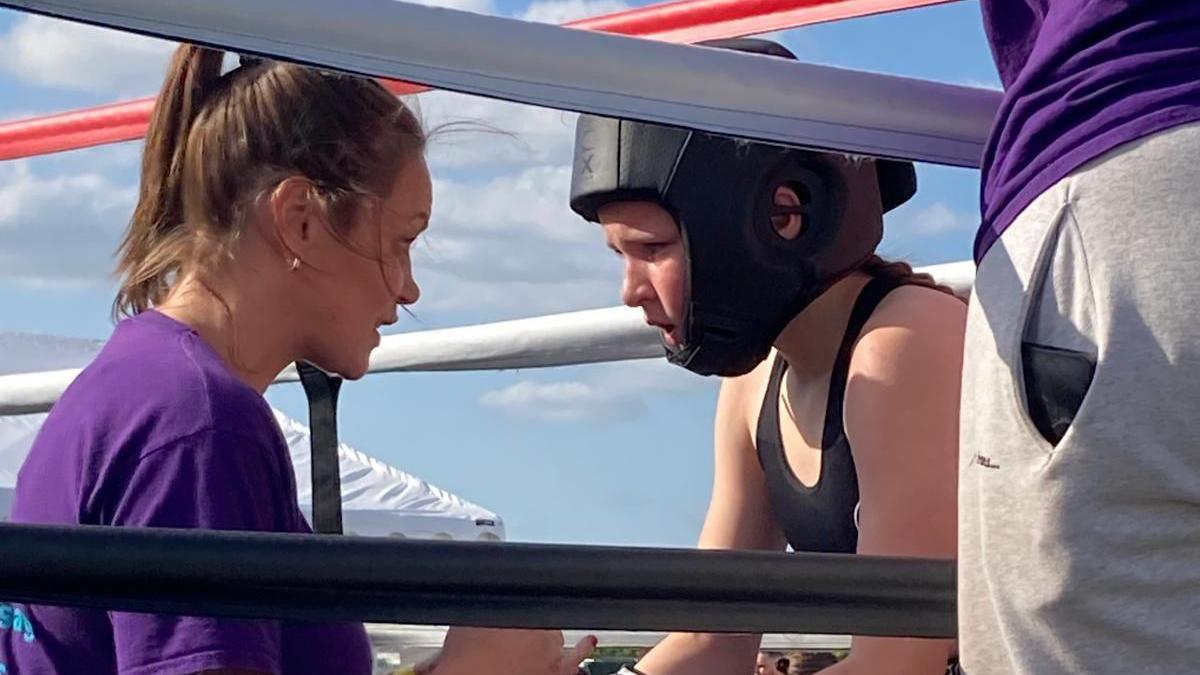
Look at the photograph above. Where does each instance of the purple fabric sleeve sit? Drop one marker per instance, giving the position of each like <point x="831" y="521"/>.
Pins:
<point x="212" y="480"/>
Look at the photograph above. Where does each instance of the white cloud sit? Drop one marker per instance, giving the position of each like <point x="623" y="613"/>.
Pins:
<point x="498" y="300"/>
<point x="59" y="230"/>
<point x="26" y="353"/>
<point x="477" y="6"/>
<point x="121" y="159"/>
<point x="602" y="392"/>
<point x="65" y="55"/>
<point x="510" y="246"/>
<point x="517" y="258"/>
<point x="60" y="54"/>
<point x="503" y="243"/>
<point x="649" y="375"/>
<point x="562" y="11"/>
<point x="992" y="82"/>
<point x="500" y="246"/>
<point x="533" y="200"/>
<point x="527" y="135"/>
<point x="562" y="402"/>
<point x="937" y="218"/>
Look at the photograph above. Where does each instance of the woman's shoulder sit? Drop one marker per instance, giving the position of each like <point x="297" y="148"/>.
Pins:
<point x="145" y="412"/>
<point x="156" y="385"/>
<point x="917" y="305"/>
<point x="909" y="354"/>
<point x="912" y="318"/>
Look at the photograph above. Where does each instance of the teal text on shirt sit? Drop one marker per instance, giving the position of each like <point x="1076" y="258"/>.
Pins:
<point x="13" y="618"/>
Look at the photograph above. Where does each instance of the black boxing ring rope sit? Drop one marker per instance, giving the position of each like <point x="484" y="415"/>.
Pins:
<point x="323" y="577"/>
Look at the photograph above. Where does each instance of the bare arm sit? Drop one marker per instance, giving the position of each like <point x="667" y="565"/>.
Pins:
<point x="901" y="418"/>
<point x="739" y="517"/>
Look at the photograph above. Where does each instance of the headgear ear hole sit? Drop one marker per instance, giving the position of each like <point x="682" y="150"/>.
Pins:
<point x="789" y="211"/>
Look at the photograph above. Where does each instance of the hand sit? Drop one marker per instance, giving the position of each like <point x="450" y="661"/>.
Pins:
<point x="470" y="651"/>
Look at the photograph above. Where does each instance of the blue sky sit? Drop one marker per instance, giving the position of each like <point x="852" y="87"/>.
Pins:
<point x="611" y="454"/>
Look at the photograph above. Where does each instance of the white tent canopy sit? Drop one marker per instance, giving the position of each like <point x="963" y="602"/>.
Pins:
<point x="381" y="500"/>
<point x="377" y="499"/>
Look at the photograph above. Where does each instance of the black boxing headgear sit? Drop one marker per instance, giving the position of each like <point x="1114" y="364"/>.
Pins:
<point x="745" y="281"/>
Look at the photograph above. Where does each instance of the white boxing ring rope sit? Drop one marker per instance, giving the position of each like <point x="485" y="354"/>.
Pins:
<point x="715" y="90"/>
<point x="591" y="336"/>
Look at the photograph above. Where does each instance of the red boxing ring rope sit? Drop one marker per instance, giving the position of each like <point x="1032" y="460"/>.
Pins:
<point x="682" y="21"/>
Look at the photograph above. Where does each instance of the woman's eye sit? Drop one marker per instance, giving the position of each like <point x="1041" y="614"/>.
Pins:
<point x="402" y="247"/>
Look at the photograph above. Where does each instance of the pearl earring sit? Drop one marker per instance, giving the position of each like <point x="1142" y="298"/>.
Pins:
<point x="295" y="264"/>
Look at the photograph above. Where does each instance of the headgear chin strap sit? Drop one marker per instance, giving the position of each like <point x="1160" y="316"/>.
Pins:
<point x="745" y="281"/>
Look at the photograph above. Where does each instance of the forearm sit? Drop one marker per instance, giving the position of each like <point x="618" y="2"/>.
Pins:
<point x="894" y="656"/>
<point x="709" y="653"/>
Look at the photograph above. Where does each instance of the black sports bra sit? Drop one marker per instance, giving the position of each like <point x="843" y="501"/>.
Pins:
<point x="822" y="518"/>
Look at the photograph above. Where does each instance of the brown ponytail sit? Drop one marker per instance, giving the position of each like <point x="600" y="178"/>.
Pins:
<point x="156" y="243"/>
<point x="217" y="142"/>
<point x="901" y="272"/>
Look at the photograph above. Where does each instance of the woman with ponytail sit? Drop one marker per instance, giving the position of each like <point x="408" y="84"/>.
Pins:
<point x="277" y="210"/>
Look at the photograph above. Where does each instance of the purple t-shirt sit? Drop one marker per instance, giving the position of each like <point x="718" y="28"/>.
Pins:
<point x="1081" y="77"/>
<point x="158" y="432"/>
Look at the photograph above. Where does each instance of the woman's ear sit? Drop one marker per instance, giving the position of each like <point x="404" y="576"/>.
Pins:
<point x="290" y="213"/>
<point x="787" y="216"/>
